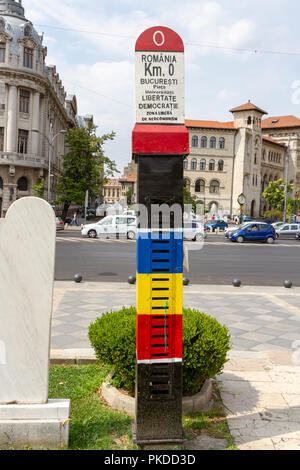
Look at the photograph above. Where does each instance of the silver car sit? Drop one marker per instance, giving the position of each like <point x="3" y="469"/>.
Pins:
<point x="288" y="231"/>
<point x="59" y="224"/>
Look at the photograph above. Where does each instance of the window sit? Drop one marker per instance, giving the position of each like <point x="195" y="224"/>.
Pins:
<point x="212" y="165"/>
<point x="214" y="186"/>
<point x="23" y="184"/>
<point x="220" y="165"/>
<point x="255" y="159"/>
<point x="203" y="165"/>
<point x="213" y="142"/>
<point x="24" y="101"/>
<point x="249" y="121"/>
<point x="27" y="30"/>
<point x="2" y="51"/>
<point x="28" y="58"/>
<point x="203" y="142"/>
<point x="194" y="141"/>
<point x="187" y="184"/>
<point x="222" y="143"/>
<point x="22" y="141"/>
<point x="194" y="164"/>
<point x="185" y="164"/>
<point x="1" y="183"/>
<point x="1" y="139"/>
<point x="264" y="155"/>
<point x="200" y="186"/>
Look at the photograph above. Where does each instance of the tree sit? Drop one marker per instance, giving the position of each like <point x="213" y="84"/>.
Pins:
<point x="275" y="193"/>
<point x="129" y="195"/>
<point x="188" y="198"/>
<point x="39" y="188"/>
<point x="86" y="168"/>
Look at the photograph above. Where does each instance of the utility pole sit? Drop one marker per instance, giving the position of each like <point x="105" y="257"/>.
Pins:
<point x="287" y="161"/>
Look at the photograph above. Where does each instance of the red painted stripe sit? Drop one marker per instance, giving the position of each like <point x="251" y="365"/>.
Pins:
<point x="151" y="337"/>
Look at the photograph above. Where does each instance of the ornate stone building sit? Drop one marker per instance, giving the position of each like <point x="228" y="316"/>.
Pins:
<point x="34" y="109"/>
<point x="242" y="156"/>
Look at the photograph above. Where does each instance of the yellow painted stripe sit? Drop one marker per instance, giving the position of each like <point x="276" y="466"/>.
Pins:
<point x="155" y="290"/>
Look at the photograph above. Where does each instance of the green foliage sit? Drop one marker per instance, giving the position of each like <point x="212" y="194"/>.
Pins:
<point x="39" y="188"/>
<point x="273" y="214"/>
<point x="205" y="346"/>
<point x="274" y="193"/>
<point x="129" y="195"/>
<point x="85" y="166"/>
<point x="188" y="198"/>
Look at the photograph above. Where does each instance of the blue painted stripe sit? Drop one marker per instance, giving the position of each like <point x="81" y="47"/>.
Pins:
<point x="160" y="253"/>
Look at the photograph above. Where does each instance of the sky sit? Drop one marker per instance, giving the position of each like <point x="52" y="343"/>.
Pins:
<point x="92" y="43"/>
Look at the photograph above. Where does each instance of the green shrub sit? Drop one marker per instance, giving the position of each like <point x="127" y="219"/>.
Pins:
<point x="205" y="347"/>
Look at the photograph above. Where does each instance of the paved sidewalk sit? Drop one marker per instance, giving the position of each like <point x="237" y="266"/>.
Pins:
<point x="260" y="385"/>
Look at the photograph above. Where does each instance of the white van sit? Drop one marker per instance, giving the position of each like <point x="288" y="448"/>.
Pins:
<point x="111" y="226"/>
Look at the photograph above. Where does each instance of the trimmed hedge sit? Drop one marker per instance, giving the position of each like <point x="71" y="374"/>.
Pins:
<point x="205" y="347"/>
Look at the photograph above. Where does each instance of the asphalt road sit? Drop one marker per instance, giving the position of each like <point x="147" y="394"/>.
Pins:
<point x="218" y="262"/>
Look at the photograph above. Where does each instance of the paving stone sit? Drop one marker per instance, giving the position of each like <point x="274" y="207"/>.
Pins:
<point x="204" y="442"/>
<point x="258" y="337"/>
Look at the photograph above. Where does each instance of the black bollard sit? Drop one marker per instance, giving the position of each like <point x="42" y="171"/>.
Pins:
<point x="186" y="281"/>
<point x="288" y="284"/>
<point x="236" y="283"/>
<point x="131" y="280"/>
<point x="78" y="278"/>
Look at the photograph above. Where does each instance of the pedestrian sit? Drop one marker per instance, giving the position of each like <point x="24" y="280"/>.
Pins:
<point x="74" y="221"/>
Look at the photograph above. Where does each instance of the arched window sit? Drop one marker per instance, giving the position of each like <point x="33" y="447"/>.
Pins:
<point x="203" y="164"/>
<point x="212" y="165"/>
<point x="200" y="186"/>
<point x="1" y="183"/>
<point x="203" y="142"/>
<point x="264" y="155"/>
<point x="194" y="141"/>
<point x="194" y="164"/>
<point x="27" y="30"/>
<point x="214" y="187"/>
<point x="249" y="121"/>
<point x="220" y="165"/>
<point x="255" y="159"/>
<point x="213" y="143"/>
<point x="222" y="143"/>
<point x="187" y="183"/>
<point x="23" y="184"/>
<point x="185" y="164"/>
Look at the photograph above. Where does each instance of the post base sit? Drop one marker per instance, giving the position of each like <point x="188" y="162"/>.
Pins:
<point x="35" y="426"/>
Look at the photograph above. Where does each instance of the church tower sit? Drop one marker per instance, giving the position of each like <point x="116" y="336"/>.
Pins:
<point x="248" y="152"/>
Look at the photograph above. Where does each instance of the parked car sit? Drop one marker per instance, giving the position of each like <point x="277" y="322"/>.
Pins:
<point x="59" y="224"/>
<point x="254" y="232"/>
<point x="277" y="225"/>
<point x="194" y="231"/>
<point x="213" y="225"/>
<point x="111" y="226"/>
<point x="288" y="231"/>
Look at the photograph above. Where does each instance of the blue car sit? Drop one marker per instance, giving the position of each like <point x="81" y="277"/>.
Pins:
<point x="216" y="224"/>
<point x="255" y="232"/>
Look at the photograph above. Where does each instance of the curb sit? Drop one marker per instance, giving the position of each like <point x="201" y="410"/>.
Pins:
<point x="190" y="405"/>
<point x="72" y="356"/>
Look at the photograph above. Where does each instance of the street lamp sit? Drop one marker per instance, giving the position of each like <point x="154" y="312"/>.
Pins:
<point x="50" y="148"/>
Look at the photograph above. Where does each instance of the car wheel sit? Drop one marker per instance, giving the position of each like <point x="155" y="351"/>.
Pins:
<point x="277" y="236"/>
<point x="270" y="241"/>
<point x="198" y="238"/>
<point x="240" y="239"/>
<point x="131" y="236"/>
<point x="92" y="234"/>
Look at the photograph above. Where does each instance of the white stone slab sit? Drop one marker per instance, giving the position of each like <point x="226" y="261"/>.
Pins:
<point x="54" y="409"/>
<point x="27" y="256"/>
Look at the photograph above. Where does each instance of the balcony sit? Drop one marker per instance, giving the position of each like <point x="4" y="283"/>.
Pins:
<point x="20" y="159"/>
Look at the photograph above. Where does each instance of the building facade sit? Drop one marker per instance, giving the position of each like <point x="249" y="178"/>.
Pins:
<point x="34" y="110"/>
<point x="238" y="157"/>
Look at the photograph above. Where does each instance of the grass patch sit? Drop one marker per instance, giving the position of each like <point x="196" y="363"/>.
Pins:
<point x="212" y="423"/>
<point x="94" y="426"/>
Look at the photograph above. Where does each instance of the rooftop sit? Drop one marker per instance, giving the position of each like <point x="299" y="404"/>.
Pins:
<point x="210" y="124"/>
<point x="248" y="107"/>
<point x="280" y="121"/>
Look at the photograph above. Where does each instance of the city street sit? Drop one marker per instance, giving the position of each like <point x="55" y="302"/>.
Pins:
<point x="219" y="261"/>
